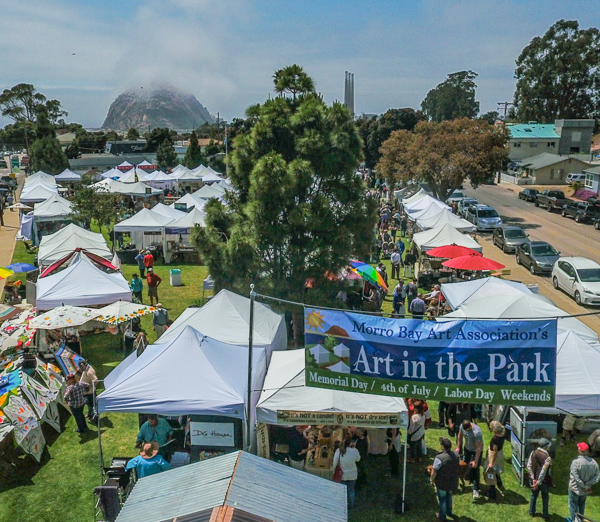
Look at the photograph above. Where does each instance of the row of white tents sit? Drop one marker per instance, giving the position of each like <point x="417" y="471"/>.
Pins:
<point x="438" y="225"/>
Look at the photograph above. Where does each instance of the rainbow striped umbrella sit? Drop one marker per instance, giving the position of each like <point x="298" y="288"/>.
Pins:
<point x="5" y="272"/>
<point x="368" y="273"/>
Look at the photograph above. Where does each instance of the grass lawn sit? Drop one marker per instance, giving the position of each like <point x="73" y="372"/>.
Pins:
<point x="60" y="489"/>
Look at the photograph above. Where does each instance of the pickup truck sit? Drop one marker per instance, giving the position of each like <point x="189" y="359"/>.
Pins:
<point x="551" y="200"/>
<point x="582" y="211"/>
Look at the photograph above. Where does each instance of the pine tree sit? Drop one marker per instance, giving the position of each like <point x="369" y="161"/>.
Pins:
<point x="45" y="152"/>
<point x="166" y="156"/>
<point x="193" y="155"/>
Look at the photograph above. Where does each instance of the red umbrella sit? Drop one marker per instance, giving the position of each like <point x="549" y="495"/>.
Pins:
<point x="452" y="251"/>
<point x="473" y="262"/>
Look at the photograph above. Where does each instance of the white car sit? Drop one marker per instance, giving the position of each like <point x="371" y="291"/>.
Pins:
<point x="455" y="197"/>
<point x="578" y="277"/>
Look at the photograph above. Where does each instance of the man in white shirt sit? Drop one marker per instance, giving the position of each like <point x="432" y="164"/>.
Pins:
<point x="395" y="258"/>
<point x="89" y="377"/>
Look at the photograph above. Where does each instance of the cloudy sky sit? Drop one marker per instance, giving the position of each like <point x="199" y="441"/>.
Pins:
<point x="85" y="52"/>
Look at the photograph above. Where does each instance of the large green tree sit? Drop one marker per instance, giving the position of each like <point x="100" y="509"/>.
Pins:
<point x="374" y="130"/>
<point x="133" y="134"/>
<point x="445" y="154"/>
<point x="23" y="102"/>
<point x="193" y="155"/>
<point x="558" y="74"/>
<point x="157" y="136"/>
<point x="45" y="152"/>
<point x="453" y="98"/>
<point x="166" y="158"/>
<point x="91" y="205"/>
<point x="298" y="211"/>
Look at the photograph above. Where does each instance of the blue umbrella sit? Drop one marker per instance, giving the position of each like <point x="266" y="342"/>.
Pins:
<point x="21" y="267"/>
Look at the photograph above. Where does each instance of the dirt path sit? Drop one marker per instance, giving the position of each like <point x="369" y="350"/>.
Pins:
<point x="8" y="233"/>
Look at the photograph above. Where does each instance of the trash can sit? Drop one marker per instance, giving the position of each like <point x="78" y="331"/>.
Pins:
<point x="175" y="276"/>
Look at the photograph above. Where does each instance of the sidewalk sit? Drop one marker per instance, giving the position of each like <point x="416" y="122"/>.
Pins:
<point x="8" y="233"/>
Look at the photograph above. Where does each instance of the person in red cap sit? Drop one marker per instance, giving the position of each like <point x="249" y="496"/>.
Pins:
<point x="584" y="474"/>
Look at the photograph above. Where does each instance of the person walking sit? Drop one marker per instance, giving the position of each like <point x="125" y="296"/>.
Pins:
<point x="137" y="288"/>
<point x="403" y="224"/>
<point x="75" y="399"/>
<point x="154" y="282"/>
<point x="148" y="260"/>
<point x="473" y="439"/>
<point x="140" y="261"/>
<point x="409" y="262"/>
<point x="444" y="476"/>
<point x="417" y="307"/>
<point x="89" y="377"/>
<point x="346" y="457"/>
<point x="494" y="462"/>
<point x="398" y="300"/>
<point x="416" y="434"/>
<point x="538" y="466"/>
<point x="395" y="259"/>
<point x="583" y="475"/>
<point x="160" y="320"/>
<point x="411" y="292"/>
<point x="361" y="441"/>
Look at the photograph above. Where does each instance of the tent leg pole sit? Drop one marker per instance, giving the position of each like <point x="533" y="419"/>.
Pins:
<point x="250" y="334"/>
<point x="101" y="456"/>
<point x="404" y="472"/>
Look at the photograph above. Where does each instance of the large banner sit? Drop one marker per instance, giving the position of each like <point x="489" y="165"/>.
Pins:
<point x="492" y="362"/>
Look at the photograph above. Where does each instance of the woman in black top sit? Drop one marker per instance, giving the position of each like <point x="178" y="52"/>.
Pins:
<point x="494" y="463"/>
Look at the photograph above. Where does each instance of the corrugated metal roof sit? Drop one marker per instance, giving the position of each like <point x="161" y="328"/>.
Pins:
<point x="180" y="491"/>
<point x="285" y="494"/>
<point x="545" y="159"/>
<point x="533" y="130"/>
<point x="231" y="515"/>
<point x="259" y="487"/>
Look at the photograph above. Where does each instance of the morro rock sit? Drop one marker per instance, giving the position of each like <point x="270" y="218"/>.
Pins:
<point x="160" y="106"/>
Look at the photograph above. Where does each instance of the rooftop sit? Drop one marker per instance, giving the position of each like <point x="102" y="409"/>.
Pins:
<point x="546" y="159"/>
<point x="533" y="130"/>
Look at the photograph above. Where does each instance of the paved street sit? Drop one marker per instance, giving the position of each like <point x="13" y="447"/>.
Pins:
<point x="572" y="239"/>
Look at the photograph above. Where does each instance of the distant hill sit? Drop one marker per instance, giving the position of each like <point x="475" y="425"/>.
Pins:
<point x="160" y="106"/>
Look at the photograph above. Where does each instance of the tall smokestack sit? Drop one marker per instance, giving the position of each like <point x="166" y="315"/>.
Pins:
<point x="349" y="92"/>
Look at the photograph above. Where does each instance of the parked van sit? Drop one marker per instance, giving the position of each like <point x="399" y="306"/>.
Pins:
<point x="572" y="178"/>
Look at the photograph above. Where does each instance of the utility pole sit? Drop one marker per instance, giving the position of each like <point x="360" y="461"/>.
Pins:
<point x="504" y="106"/>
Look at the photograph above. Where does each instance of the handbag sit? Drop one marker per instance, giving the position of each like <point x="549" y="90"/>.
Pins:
<point x="338" y="474"/>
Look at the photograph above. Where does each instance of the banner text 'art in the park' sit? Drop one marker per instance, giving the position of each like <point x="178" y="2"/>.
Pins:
<point x="499" y="362"/>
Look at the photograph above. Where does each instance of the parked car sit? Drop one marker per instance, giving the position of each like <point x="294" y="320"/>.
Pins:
<point x="572" y="178"/>
<point x="483" y="217"/>
<point x="455" y="197"/>
<point x="508" y="238"/>
<point x="463" y="205"/>
<point x="528" y="194"/>
<point x="582" y="211"/>
<point x="579" y="277"/>
<point x="538" y="256"/>
<point x="551" y="199"/>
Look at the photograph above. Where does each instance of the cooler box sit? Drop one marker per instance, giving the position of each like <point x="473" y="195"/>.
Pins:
<point x="175" y="276"/>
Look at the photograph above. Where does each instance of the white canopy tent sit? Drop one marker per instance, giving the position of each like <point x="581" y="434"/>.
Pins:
<point x="112" y="173"/>
<point x="48" y="179"/>
<point x="132" y="176"/>
<point x="191" y="202"/>
<point x="66" y="240"/>
<point x="52" y="208"/>
<point x="423" y="203"/>
<point x="443" y="236"/>
<point x="226" y="317"/>
<point x="137" y="189"/>
<point x="415" y="197"/>
<point x="144" y="221"/>
<point x="285" y="389"/>
<point x="124" y="166"/>
<point x="457" y="293"/>
<point x="445" y="217"/>
<point x="184" y="224"/>
<point x="37" y="192"/>
<point x="81" y="284"/>
<point x="432" y="211"/>
<point x="192" y="374"/>
<point x="200" y="169"/>
<point x="167" y="211"/>
<point x="209" y="191"/>
<point x="211" y="177"/>
<point x="520" y="306"/>
<point x="68" y="175"/>
<point x="183" y="175"/>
